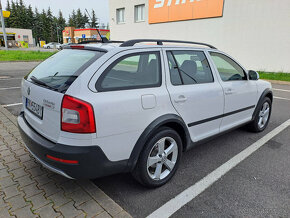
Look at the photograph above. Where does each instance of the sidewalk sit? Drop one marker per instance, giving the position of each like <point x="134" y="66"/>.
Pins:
<point x="29" y="190"/>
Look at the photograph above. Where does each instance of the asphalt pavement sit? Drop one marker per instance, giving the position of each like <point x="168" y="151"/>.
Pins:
<point x="258" y="186"/>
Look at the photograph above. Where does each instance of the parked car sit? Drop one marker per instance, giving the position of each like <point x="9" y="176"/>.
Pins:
<point x="51" y="45"/>
<point x="98" y="109"/>
<point x="60" y="46"/>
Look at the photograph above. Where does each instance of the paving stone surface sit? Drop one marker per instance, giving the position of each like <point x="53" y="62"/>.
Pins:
<point x="29" y="190"/>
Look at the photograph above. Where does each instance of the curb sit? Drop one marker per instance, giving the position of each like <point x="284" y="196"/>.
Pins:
<point x="279" y="82"/>
<point x="22" y="61"/>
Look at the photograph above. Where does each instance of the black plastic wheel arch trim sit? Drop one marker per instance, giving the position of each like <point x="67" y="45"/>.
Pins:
<point x="150" y="130"/>
<point x="263" y="95"/>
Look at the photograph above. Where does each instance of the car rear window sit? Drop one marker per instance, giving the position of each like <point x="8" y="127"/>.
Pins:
<point x="60" y="70"/>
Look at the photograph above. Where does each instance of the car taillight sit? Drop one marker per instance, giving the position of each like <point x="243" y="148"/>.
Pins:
<point x="77" y="116"/>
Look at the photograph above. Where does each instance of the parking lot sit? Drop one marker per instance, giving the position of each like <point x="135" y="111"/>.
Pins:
<point x="259" y="185"/>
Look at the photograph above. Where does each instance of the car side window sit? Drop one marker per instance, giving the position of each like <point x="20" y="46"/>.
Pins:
<point x="139" y="70"/>
<point x="228" y="69"/>
<point x="189" y="67"/>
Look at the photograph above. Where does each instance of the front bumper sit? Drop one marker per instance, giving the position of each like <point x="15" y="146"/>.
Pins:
<point x="92" y="162"/>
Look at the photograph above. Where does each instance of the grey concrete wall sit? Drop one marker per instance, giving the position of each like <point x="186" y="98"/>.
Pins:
<point x="256" y="32"/>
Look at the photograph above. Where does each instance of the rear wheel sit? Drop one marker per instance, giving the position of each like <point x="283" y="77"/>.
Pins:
<point x="160" y="158"/>
<point x="262" y="118"/>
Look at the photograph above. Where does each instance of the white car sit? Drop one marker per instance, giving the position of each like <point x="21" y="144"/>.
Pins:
<point x="99" y="109"/>
<point x="51" y="45"/>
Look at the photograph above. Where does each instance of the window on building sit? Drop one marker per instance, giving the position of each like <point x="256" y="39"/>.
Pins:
<point x="25" y="38"/>
<point x="189" y="67"/>
<point x="139" y="13"/>
<point x="120" y="15"/>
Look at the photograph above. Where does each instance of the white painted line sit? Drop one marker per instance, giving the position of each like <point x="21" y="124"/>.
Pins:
<point x="190" y="193"/>
<point x="282" y="90"/>
<point x="9" y="88"/>
<point x="11" y="78"/>
<point x="281" y="98"/>
<point x="11" y="105"/>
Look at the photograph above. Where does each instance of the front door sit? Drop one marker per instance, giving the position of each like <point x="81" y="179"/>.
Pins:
<point x="240" y="93"/>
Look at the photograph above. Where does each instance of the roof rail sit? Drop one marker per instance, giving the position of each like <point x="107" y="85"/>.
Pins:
<point x="160" y="42"/>
<point x="99" y="41"/>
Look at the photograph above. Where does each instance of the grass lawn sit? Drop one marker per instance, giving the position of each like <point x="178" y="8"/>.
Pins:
<point x="24" y="55"/>
<point x="275" y="76"/>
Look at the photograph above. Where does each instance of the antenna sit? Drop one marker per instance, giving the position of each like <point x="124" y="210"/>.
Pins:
<point x="103" y="39"/>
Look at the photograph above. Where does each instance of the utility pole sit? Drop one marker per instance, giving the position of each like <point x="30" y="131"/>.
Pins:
<point x="3" y="27"/>
<point x="57" y="28"/>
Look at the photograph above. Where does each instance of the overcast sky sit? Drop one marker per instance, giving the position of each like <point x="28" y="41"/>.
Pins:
<point x="101" y="7"/>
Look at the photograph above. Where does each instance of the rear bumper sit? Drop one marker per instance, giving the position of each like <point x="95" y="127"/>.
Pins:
<point x="92" y="162"/>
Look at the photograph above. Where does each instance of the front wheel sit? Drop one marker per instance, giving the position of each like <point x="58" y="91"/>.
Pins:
<point x="160" y="158"/>
<point x="262" y="118"/>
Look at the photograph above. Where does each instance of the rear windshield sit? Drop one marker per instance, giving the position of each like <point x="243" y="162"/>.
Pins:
<point x="60" y="70"/>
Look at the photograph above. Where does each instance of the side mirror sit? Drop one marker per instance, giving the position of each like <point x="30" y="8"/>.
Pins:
<point x="253" y="75"/>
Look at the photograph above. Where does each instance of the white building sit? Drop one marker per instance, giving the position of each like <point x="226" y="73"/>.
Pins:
<point x="256" y="32"/>
<point x="18" y="35"/>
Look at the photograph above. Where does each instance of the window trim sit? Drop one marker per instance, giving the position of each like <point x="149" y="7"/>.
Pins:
<point x="99" y="88"/>
<point x="244" y="71"/>
<point x="117" y="17"/>
<point x="135" y="13"/>
<point x="208" y="61"/>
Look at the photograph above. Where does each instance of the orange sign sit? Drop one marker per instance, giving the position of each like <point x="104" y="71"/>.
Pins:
<point x="175" y="10"/>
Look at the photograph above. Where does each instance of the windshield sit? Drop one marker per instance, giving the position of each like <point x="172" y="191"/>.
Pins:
<point x="60" y="70"/>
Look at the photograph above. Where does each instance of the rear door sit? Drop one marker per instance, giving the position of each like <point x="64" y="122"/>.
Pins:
<point x="129" y="94"/>
<point x="240" y="93"/>
<point x="195" y="91"/>
<point x="43" y="89"/>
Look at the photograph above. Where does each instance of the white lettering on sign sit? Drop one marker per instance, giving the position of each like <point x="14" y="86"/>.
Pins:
<point x="160" y="3"/>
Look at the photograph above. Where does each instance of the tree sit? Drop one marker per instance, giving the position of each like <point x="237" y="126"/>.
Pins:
<point x="94" y="21"/>
<point x="72" y="19"/>
<point x="61" y="23"/>
<point x="50" y="26"/>
<point x="79" y="19"/>
<point x="14" y="19"/>
<point x="30" y="19"/>
<point x="85" y="20"/>
<point x="37" y="33"/>
<point x="23" y="16"/>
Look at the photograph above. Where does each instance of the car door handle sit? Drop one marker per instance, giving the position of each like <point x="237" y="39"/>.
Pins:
<point x="180" y="99"/>
<point x="229" y="91"/>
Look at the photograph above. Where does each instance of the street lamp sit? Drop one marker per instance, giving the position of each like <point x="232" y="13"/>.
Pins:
<point x="3" y="27"/>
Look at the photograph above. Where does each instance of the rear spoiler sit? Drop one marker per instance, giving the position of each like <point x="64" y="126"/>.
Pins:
<point x="82" y="47"/>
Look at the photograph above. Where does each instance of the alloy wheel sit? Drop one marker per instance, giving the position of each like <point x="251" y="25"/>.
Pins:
<point x="162" y="158"/>
<point x="264" y="115"/>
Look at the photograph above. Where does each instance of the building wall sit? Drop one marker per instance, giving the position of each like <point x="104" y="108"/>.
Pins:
<point x="19" y="33"/>
<point x="256" y="32"/>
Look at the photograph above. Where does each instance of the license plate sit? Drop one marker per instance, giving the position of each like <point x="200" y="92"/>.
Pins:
<point x="34" y="108"/>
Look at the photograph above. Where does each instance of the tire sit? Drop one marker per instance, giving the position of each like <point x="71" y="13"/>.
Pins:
<point x="48" y="47"/>
<point x="261" y="120"/>
<point x="161" y="167"/>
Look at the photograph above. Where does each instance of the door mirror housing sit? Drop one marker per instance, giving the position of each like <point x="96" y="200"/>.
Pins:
<point x="253" y="75"/>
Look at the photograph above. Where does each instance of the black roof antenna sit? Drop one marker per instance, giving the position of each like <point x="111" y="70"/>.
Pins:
<point x="104" y="40"/>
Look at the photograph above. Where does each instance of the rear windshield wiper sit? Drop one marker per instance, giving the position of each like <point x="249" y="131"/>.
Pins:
<point x="37" y="81"/>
